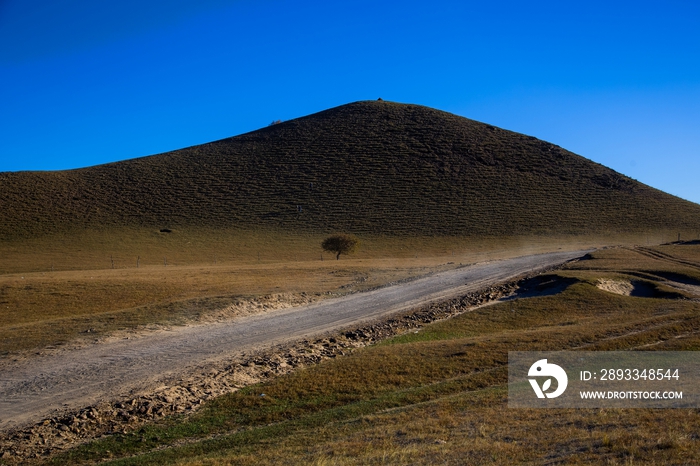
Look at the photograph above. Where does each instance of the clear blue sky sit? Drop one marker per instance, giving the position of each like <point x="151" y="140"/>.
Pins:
<point x="88" y="82"/>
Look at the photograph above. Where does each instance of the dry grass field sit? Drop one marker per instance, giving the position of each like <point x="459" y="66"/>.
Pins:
<point x="84" y="298"/>
<point x="438" y="395"/>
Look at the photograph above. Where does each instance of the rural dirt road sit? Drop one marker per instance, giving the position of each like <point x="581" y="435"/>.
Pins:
<point x="33" y="389"/>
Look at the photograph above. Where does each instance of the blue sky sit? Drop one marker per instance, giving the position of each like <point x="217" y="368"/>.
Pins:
<point x="85" y="82"/>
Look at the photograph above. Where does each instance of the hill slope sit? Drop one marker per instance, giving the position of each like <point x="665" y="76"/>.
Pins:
<point x="368" y="167"/>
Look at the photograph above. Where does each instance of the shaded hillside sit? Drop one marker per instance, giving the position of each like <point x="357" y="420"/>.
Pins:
<point x="367" y="167"/>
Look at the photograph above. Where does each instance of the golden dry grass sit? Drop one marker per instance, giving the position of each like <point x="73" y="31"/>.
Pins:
<point x="40" y="309"/>
<point x="86" y="299"/>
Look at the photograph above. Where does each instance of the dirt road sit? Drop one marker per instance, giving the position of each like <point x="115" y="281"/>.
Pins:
<point x="31" y="390"/>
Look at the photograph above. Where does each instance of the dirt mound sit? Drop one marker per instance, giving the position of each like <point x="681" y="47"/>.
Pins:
<point x="621" y="287"/>
<point x="636" y="288"/>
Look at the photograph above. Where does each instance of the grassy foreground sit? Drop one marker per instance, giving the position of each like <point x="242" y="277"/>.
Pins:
<point x="438" y="396"/>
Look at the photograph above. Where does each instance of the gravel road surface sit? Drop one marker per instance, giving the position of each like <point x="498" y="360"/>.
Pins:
<point x="32" y="389"/>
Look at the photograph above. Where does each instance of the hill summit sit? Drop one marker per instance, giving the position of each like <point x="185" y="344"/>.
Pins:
<point x="371" y="167"/>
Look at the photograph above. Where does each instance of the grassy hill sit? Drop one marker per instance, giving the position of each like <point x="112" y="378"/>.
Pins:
<point x="374" y="168"/>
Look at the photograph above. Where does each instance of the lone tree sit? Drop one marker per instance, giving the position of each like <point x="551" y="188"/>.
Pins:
<point x="340" y="244"/>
